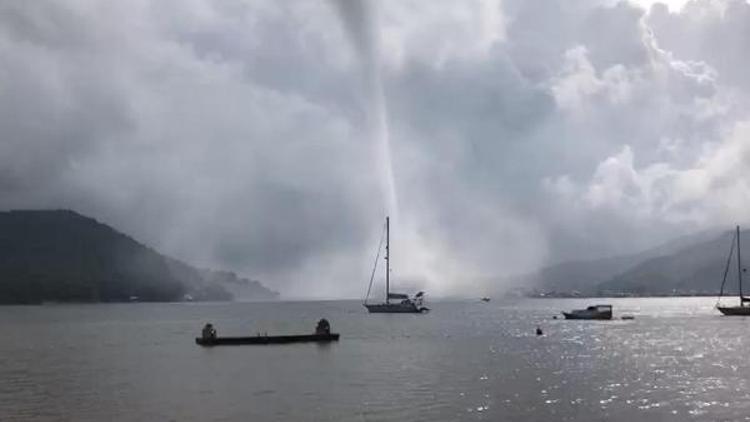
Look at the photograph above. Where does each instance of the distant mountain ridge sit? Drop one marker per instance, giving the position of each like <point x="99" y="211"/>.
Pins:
<point x="695" y="269"/>
<point x="690" y="265"/>
<point x="63" y="256"/>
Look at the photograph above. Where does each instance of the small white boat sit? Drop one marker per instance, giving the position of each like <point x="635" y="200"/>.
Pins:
<point x="592" y="312"/>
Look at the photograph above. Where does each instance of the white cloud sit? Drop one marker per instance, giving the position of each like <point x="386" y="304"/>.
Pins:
<point x="442" y="32"/>
<point x="709" y="191"/>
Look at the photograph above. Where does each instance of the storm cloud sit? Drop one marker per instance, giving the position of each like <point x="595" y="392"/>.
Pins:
<point x="241" y="134"/>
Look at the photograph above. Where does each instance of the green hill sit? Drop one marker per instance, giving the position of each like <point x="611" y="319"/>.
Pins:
<point x="62" y="256"/>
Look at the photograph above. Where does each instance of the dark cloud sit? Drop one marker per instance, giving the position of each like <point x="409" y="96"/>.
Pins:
<point x="244" y="135"/>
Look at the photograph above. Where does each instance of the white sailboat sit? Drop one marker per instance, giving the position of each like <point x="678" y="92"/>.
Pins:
<point x="743" y="309"/>
<point x="395" y="303"/>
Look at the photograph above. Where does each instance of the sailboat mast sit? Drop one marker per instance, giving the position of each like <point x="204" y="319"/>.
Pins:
<point x="739" y="265"/>
<point x="388" y="259"/>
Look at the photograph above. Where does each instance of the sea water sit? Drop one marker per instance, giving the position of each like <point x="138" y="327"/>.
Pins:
<point x="677" y="360"/>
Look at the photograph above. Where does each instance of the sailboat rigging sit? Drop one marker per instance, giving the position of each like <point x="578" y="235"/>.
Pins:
<point x="402" y="304"/>
<point x="743" y="308"/>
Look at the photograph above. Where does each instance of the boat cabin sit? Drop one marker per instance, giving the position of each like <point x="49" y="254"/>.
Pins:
<point x="600" y="308"/>
<point x="591" y="312"/>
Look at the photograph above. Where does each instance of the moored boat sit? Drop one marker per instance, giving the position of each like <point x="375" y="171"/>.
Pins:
<point x="743" y="309"/>
<point x="322" y="335"/>
<point x="265" y="339"/>
<point x="592" y="312"/>
<point x="407" y="307"/>
<point x="402" y="303"/>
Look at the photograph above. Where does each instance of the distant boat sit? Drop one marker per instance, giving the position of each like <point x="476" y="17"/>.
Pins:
<point x="402" y="303"/>
<point x="592" y="312"/>
<point x="743" y="308"/>
<point x="485" y="299"/>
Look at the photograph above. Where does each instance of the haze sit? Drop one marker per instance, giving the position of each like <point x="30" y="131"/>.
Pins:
<point x="272" y="138"/>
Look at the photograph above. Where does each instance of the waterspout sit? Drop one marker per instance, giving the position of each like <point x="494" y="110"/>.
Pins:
<point x="360" y="20"/>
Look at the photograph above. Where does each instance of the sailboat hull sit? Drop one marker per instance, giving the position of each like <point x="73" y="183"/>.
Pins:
<point x="734" y="310"/>
<point x="394" y="308"/>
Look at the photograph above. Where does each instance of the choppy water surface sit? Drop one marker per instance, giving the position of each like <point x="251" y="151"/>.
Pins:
<point x="678" y="360"/>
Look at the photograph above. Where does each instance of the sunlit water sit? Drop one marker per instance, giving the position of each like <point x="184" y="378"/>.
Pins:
<point x="678" y="360"/>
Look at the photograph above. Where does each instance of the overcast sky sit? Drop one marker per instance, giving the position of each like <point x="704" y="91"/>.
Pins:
<point x="272" y="137"/>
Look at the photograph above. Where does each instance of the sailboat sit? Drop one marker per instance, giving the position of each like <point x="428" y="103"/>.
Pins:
<point x="744" y="307"/>
<point x="395" y="303"/>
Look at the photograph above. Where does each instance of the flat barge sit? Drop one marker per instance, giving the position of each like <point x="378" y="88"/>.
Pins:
<point x="263" y="340"/>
